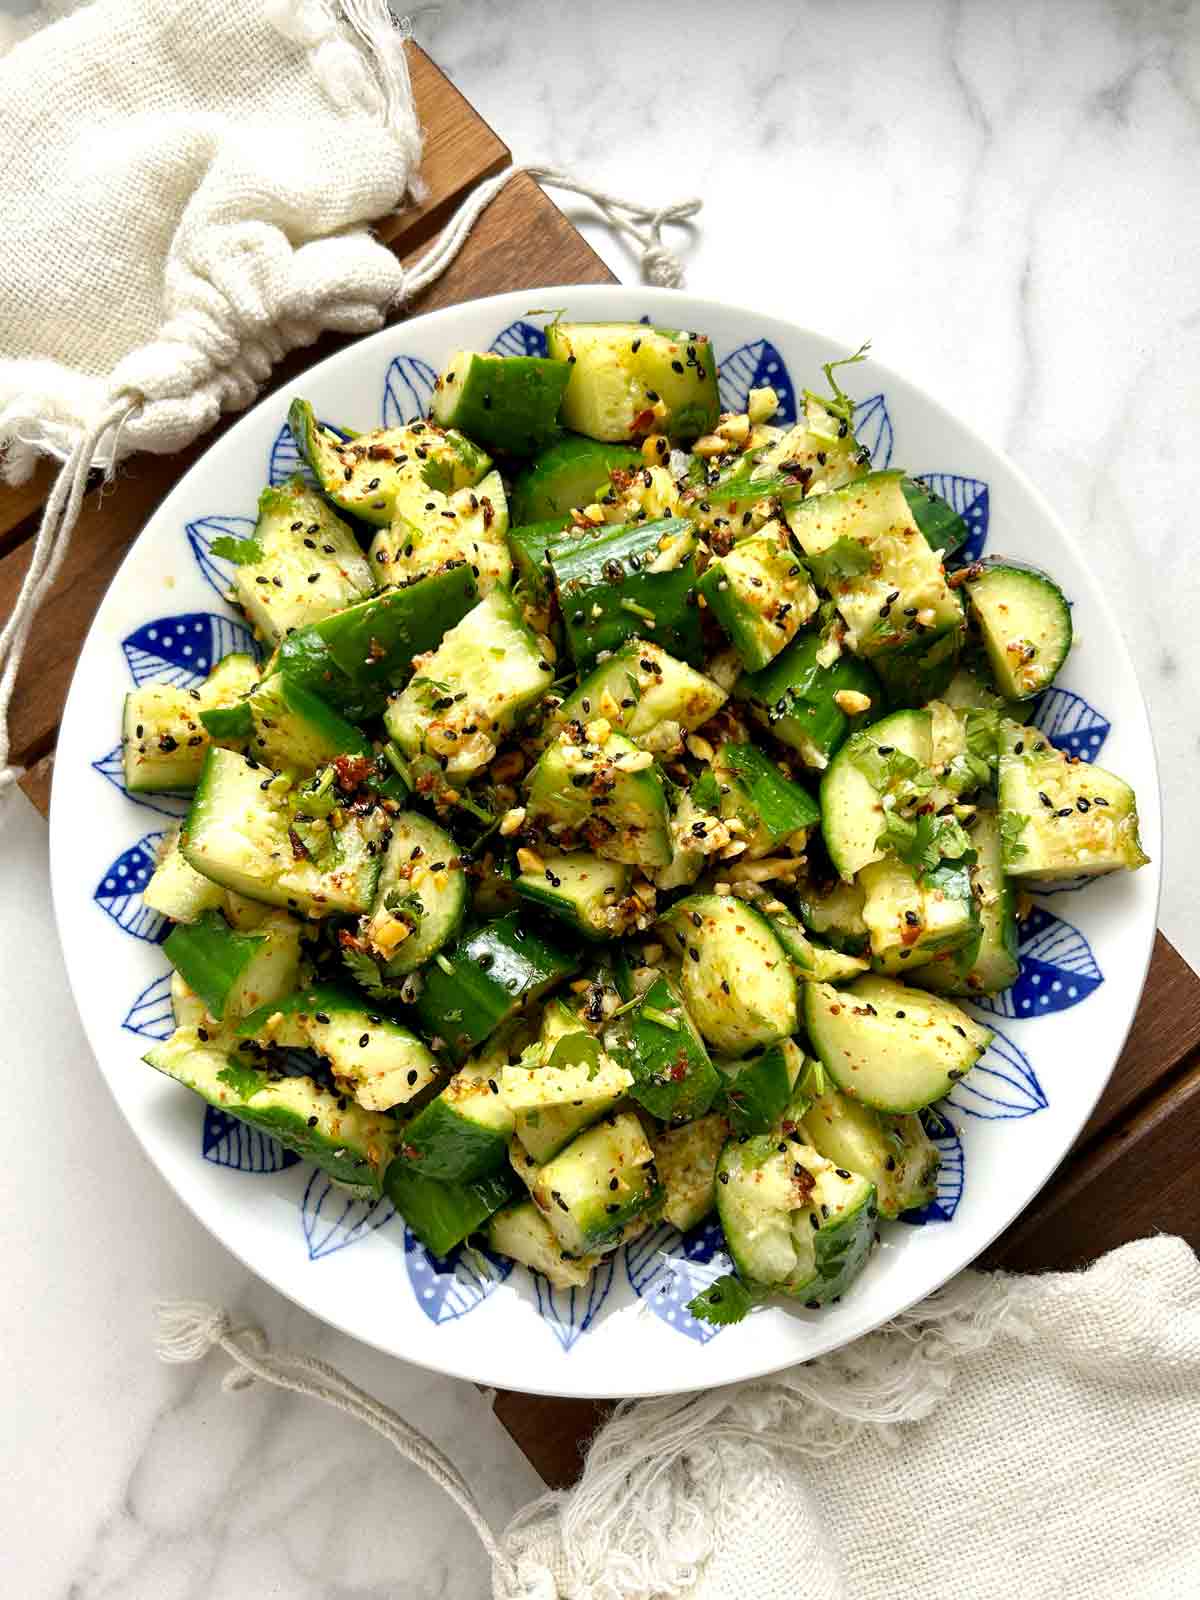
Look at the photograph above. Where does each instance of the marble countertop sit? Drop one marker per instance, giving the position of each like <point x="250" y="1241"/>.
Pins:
<point x="1004" y="200"/>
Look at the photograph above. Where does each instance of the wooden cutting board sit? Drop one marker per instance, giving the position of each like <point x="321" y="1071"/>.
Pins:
<point x="1127" y="1176"/>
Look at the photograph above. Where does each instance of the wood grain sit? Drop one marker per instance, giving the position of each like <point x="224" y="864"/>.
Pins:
<point x="553" y="1434"/>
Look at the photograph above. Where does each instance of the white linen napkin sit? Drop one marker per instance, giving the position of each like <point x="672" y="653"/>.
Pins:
<point x="1030" y="1437"/>
<point x="186" y="191"/>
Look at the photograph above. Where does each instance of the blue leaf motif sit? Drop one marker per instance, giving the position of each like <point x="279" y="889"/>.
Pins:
<point x="333" y="1218"/>
<point x="407" y="391"/>
<point x="756" y="366"/>
<point x="217" y="571"/>
<point x="519" y="339"/>
<point x="667" y="1268"/>
<point x="873" y="428"/>
<point x="112" y="767"/>
<point x="449" y="1287"/>
<point x="226" y="1142"/>
<point x="1058" y="969"/>
<point x="119" y="892"/>
<point x="152" y="1014"/>
<point x="1070" y="723"/>
<point x="971" y="499"/>
<point x="285" y="460"/>
<point x="182" y="650"/>
<point x="571" y="1312"/>
<point x="1002" y="1084"/>
<point x="950" y="1174"/>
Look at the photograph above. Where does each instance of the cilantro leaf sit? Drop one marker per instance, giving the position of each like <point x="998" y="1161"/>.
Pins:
<point x="366" y="974"/>
<point x="1012" y="825"/>
<point x="725" y="1301"/>
<point x="240" y="551"/>
<point x="243" y="1080"/>
<point x="923" y="842"/>
<point x="438" y="474"/>
<point x="841" y="405"/>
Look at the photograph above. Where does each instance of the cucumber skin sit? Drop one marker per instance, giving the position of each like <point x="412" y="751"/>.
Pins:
<point x="943" y="527"/>
<point x="517" y="966"/>
<point x="529" y="546"/>
<point x="654" y="1055"/>
<point x="439" y="1143"/>
<point x="510" y="403"/>
<point x="566" y="476"/>
<point x="354" y="657"/>
<point x="810" y="716"/>
<point x="583" y="585"/>
<point x="443" y="1215"/>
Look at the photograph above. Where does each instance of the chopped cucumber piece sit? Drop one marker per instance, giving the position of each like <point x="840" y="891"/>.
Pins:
<point x="1026" y="625"/>
<point x="374" y="475"/>
<point x="486" y="674"/>
<point x="179" y="891"/>
<point x="464" y="1133"/>
<point x="793" y="1221"/>
<point x="422" y="895"/>
<point x="444" y="1215"/>
<point x="639" y="688"/>
<point x="232" y="972"/>
<point x="586" y="892"/>
<point x="771" y="806"/>
<point x="889" y="1046"/>
<point x="615" y="583"/>
<point x="597" y="786"/>
<point x="294" y="730"/>
<point x="817" y="963"/>
<point x="484" y="979"/>
<point x="686" y="1159"/>
<point x="819" y="451"/>
<point x="990" y="965"/>
<point x="760" y="594"/>
<point x="507" y="403"/>
<point x="602" y="1180"/>
<point x="310" y="564"/>
<point x="444" y="532"/>
<point x="352" y="1145"/>
<point x="567" y="476"/>
<point x="866" y="548"/>
<point x="915" y="917"/>
<point x="943" y="527"/>
<point x="543" y="1131"/>
<point x="1061" y="818"/>
<point x="894" y="1153"/>
<point x="835" y="916"/>
<point x="520" y="1232"/>
<point x="891" y="759"/>
<point x="628" y="380"/>
<point x="239" y="833"/>
<point x="811" y="707"/>
<point x="673" y="1077"/>
<point x="737" y="982"/>
<point x="353" y="658"/>
<point x="529" y="550"/>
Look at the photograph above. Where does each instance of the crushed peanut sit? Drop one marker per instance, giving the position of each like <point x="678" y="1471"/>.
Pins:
<point x="851" y="702"/>
<point x="511" y="821"/>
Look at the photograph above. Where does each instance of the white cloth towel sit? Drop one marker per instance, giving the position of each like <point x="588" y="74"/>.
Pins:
<point x="1028" y="1437"/>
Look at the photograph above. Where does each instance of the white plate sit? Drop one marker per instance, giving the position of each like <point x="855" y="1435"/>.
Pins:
<point x="1058" y="1033"/>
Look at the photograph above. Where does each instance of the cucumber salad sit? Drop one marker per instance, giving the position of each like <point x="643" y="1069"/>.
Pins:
<point x="630" y="797"/>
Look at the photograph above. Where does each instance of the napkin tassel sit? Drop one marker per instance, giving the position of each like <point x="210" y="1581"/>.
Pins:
<point x="641" y="1519"/>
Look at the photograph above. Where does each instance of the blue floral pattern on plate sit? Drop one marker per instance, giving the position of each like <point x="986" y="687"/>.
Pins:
<point x="226" y="1142"/>
<point x="951" y="1173"/>
<point x="667" y="1268"/>
<point x="664" y="1268"/>
<point x="111" y="765"/>
<point x="333" y="1218"/>
<point x="1069" y="722"/>
<point x="447" y="1288"/>
<point x="571" y="1312"/>
<point x="1058" y="969"/>
<point x="1002" y="1084"/>
<point x="119" y="892"/>
<point x="151" y="1014"/>
<point x="756" y="366"/>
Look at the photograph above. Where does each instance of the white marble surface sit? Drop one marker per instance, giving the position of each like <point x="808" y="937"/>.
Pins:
<point x="1004" y="199"/>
